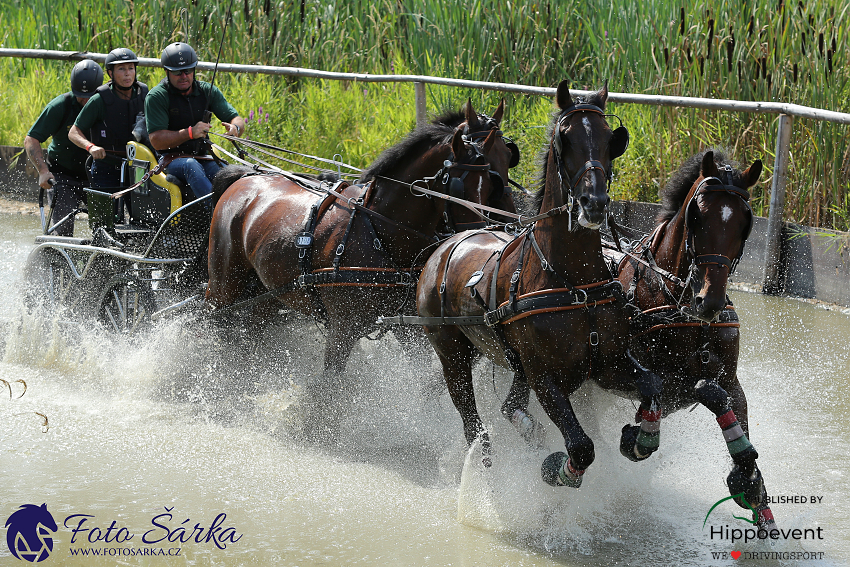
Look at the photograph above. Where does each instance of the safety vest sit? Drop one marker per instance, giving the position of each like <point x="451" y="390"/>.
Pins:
<point x="185" y="111"/>
<point x="116" y="129"/>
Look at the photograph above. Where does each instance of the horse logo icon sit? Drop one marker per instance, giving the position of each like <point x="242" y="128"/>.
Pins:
<point x="29" y="533"/>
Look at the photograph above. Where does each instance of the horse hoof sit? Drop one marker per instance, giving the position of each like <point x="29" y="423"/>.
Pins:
<point x="629" y="446"/>
<point x="556" y="471"/>
<point x="529" y="429"/>
<point x="752" y="487"/>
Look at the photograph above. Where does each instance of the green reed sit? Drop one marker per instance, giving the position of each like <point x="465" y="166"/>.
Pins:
<point x="733" y="49"/>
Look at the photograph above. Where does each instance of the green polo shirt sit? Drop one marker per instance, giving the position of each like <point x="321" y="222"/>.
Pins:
<point x="55" y="122"/>
<point x="95" y="111"/>
<point x="157" y="104"/>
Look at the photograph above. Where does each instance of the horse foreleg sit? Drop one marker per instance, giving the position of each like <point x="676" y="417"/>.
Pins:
<point x="515" y="410"/>
<point x="739" y="403"/>
<point x="456" y="354"/>
<point x="638" y="442"/>
<point x="326" y="394"/>
<point x="560" y="469"/>
<point x="745" y="482"/>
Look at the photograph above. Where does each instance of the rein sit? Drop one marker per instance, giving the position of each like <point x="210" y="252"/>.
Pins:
<point x="521" y="220"/>
<point x="262" y="147"/>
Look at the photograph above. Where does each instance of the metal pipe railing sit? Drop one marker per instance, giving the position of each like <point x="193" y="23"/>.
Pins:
<point x="786" y="111"/>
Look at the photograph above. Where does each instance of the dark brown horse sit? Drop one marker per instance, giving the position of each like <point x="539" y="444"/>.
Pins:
<point x="543" y="303"/>
<point x="346" y="258"/>
<point x="687" y="330"/>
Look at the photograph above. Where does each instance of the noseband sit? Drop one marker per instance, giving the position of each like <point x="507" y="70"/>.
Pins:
<point x="713" y="184"/>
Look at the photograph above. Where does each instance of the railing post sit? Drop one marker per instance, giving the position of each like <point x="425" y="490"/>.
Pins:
<point x="421" y="108"/>
<point x="772" y="284"/>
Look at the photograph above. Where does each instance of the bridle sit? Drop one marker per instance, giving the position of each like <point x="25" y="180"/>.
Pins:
<point x="455" y="185"/>
<point x="489" y="126"/>
<point x="620" y="141"/>
<point x="708" y="185"/>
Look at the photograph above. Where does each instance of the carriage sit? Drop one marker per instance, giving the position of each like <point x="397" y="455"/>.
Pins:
<point x="128" y="271"/>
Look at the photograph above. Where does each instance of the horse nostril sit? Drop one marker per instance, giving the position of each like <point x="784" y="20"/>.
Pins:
<point x="583" y="201"/>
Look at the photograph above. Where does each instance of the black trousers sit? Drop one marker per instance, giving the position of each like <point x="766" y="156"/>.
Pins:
<point x="67" y="194"/>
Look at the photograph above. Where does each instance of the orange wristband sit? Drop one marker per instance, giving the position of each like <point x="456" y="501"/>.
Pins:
<point x="90" y="146"/>
<point x="190" y="133"/>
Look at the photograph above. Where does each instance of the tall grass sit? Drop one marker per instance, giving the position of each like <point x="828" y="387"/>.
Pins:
<point x="736" y="49"/>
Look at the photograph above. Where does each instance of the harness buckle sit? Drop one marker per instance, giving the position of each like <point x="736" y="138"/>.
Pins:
<point x="404" y="278"/>
<point x="594" y="338"/>
<point x="705" y="356"/>
<point x="340" y="249"/>
<point x="515" y="277"/>
<point x="491" y="318"/>
<point x="377" y="244"/>
<point x="583" y="301"/>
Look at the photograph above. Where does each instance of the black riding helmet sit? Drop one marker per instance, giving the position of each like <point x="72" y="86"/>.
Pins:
<point x="120" y="55"/>
<point x="179" y="56"/>
<point x="86" y="76"/>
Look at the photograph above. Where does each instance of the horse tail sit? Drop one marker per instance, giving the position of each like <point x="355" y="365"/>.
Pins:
<point x="226" y="177"/>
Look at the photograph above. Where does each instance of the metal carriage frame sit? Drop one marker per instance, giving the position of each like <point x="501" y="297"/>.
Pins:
<point x="125" y="274"/>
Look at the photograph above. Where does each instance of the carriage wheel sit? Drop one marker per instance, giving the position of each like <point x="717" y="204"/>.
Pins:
<point x="125" y="305"/>
<point x="52" y="283"/>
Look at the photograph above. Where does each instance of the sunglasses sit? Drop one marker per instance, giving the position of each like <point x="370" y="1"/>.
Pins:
<point x="183" y="72"/>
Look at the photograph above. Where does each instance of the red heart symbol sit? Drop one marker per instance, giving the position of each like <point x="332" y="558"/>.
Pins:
<point x="736" y="554"/>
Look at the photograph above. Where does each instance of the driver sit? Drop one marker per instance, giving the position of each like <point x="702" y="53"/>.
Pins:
<point x="174" y="111"/>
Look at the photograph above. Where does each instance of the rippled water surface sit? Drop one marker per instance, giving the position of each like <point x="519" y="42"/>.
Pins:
<point x="182" y="429"/>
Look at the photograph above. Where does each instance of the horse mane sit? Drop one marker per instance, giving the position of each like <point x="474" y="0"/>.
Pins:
<point x="543" y="156"/>
<point x="438" y="131"/>
<point x="679" y="183"/>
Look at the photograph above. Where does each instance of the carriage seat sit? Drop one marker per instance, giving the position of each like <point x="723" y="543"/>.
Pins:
<point x="159" y="196"/>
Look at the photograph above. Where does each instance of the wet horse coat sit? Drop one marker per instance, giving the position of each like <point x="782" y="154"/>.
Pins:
<point x="552" y="312"/>
<point x="686" y="329"/>
<point x="258" y="220"/>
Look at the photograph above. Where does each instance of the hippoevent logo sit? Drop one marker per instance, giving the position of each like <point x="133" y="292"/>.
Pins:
<point x="752" y="532"/>
<point x="29" y="531"/>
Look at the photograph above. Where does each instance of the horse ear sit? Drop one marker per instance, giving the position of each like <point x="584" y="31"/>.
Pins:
<point x="471" y="115"/>
<point x="603" y="95"/>
<point x="752" y="173"/>
<point x="709" y="168"/>
<point x="489" y="141"/>
<point x="563" y="97"/>
<point x="500" y="111"/>
<point x="458" y="145"/>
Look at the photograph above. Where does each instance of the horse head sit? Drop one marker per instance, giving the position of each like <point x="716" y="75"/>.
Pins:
<point x="583" y="148"/>
<point x="718" y="220"/>
<point x="502" y="155"/>
<point x="467" y="174"/>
